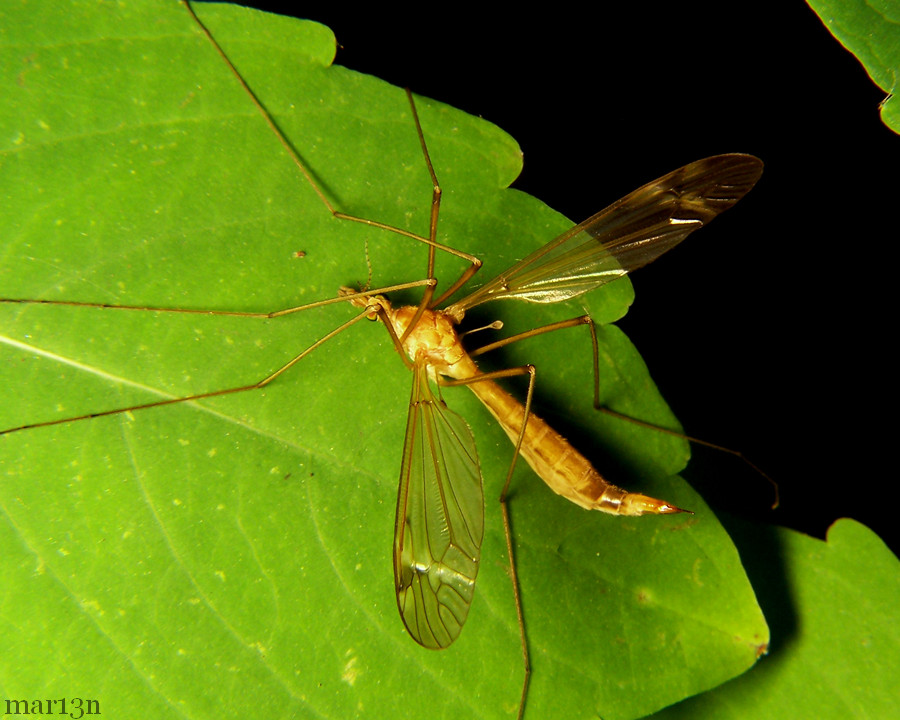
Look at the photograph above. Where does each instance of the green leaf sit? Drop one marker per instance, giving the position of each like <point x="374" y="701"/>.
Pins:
<point x="833" y="609"/>
<point x="231" y="557"/>
<point x="870" y="29"/>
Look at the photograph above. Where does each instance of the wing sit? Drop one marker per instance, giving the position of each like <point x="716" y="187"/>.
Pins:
<point x="625" y="236"/>
<point x="440" y="519"/>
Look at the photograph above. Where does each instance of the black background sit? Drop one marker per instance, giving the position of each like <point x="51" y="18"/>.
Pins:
<point x="771" y="338"/>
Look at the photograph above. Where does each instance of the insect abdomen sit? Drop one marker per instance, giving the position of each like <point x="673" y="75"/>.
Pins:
<point x="561" y="466"/>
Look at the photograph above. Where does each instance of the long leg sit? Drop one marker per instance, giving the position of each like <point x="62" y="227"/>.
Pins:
<point x="504" y="509"/>
<point x="561" y="325"/>
<point x="199" y="396"/>
<point x="586" y="320"/>
<point x="430" y="240"/>
<point x="343" y="297"/>
<point x="776" y="494"/>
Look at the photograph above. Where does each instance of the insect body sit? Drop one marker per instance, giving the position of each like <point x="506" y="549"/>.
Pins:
<point x="434" y="343"/>
<point x="439" y="524"/>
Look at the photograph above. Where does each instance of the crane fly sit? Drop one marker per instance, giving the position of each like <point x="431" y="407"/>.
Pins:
<point x="439" y="525"/>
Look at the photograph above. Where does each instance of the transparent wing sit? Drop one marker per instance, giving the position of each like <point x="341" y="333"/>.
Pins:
<point x="440" y="519"/>
<point x="625" y="236"/>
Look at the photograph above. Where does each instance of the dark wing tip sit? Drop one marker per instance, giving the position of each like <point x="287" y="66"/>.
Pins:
<point x="710" y="186"/>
